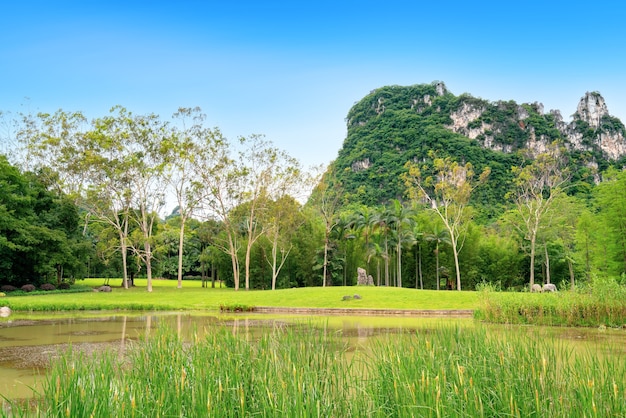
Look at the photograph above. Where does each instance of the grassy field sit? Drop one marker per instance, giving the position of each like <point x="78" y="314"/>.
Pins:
<point x="165" y="296"/>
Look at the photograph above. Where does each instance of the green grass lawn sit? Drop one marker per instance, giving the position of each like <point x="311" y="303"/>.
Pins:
<point x="165" y="296"/>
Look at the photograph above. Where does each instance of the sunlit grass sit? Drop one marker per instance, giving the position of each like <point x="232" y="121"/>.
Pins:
<point x="304" y="371"/>
<point x="598" y="306"/>
<point x="165" y="296"/>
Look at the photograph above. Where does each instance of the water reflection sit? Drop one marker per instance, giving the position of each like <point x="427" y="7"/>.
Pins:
<point x="28" y="342"/>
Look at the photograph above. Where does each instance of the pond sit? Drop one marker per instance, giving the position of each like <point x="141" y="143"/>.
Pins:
<point x="29" y="342"/>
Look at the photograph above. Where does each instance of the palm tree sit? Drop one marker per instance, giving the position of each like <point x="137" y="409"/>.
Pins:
<point x="401" y="220"/>
<point x="381" y="222"/>
<point x="341" y="232"/>
<point x="417" y="236"/>
<point x="439" y="235"/>
<point x="363" y="223"/>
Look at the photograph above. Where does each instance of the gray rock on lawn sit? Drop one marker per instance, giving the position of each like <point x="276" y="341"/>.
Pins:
<point x="347" y="297"/>
<point x="104" y="288"/>
<point x="536" y="288"/>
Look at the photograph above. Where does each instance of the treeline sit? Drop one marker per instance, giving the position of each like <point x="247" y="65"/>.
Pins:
<point x="87" y="196"/>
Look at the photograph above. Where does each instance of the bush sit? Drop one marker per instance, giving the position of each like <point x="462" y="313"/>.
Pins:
<point x="47" y="286"/>
<point x="8" y="288"/>
<point x="64" y="286"/>
<point x="28" y="288"/>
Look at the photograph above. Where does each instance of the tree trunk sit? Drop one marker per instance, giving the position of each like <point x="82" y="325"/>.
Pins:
<point x="181" y="240"/>
<point x="532" y="262"/>
<point x="124" y="249"/>
<point x="437" y="265"/>
<point x="399" y="266"/>
<point x="570" y="265"/>
<point x="545" y="246"/>
<point x="386" y="264"/>
<point x="326" y="239"/>
<point x="148" y="251"/>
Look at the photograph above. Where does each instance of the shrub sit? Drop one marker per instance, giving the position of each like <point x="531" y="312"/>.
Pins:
<point x="8" y="288"/>
<point x="63" y="286"/>
<point x="28" y="288"/>
<point x="47" y="286"/>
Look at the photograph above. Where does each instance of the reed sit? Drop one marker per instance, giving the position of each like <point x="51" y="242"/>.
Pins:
<point x="602" y="304"/>
<point x="306" y="371"/>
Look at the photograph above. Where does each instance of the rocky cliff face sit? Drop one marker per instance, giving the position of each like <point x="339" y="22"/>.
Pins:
<point x="592" y="127"/>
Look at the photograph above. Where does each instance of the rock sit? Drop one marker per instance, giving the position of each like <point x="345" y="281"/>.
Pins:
<point x="549" y="287"/>
<point x="104" y="288"/>
<point x="346" y="297"/>
<point x="5" y="311"/>
<point x="536" y="288"/>
<point x="357" y="297"/>
<point x="362" y="278"/>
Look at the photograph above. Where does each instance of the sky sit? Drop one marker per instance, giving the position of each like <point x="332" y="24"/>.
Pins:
<point x="291" y="70"/>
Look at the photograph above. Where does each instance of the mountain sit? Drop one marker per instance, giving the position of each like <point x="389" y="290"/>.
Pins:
<point x="395" y="124"/>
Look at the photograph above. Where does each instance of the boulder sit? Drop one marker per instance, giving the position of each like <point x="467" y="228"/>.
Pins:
<point x="5" y="311"/>
<point x="104" y="288"/>
<point x="362" y="278"/>
<point x="536" y="288"/>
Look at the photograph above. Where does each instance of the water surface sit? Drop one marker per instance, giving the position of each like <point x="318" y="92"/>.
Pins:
<point x="29" y="342"/>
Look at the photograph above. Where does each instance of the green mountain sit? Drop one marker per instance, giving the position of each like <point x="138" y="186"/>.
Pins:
<point x="395" y="124"/>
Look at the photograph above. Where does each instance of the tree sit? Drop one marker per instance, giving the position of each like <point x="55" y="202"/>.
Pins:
<point x="181" y="150"/>
<point x="146" y="166"/>
<point x="39" y="230"/>
<point x="448" y="193"/>
<point x="611" y="202"/>
<point x="537" y="185"/>
<point x="282" y="219"/>
<point x="326" y="198"/>
<point x="438" y="235"/>
<point x="221" y="192"/>
<point x="401" y="220"/>
<point x="382" y="221"/>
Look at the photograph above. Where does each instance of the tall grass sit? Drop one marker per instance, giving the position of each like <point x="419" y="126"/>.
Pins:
<point x="305" y="371"/>
<point x="603" y="303"/>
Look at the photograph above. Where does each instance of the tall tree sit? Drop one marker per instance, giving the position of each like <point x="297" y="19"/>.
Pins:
<point x="448" y="193"/>
<point x="611" y="201"/>
<point x="439" y="235"/>
<point x="181" y="149"/>
<point x="401" y="217"/>
<point x="145" y="136"/>
<point x="327" y="199"/>
<point x="282" y="219"/>
<point x="537" y="185"/>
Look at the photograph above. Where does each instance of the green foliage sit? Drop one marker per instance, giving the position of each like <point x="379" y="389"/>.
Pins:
<point x="40" y="238"/>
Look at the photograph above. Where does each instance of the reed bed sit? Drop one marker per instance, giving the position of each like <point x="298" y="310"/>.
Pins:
<point x="603" y="304"/>
<point x="307" y="371"/>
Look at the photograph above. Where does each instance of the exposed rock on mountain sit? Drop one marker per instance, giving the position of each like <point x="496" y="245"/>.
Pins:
<point x="395" y="124"/>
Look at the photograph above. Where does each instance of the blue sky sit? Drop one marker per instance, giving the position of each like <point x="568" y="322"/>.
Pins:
<point x="291" y="70"/>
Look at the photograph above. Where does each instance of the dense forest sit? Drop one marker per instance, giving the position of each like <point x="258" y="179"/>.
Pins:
<point x="430" y="190"/>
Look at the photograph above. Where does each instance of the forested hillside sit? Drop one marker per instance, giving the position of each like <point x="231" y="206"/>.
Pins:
<point x="430" y="190"/>
<point x="395" y="124"/>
